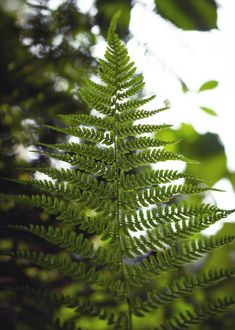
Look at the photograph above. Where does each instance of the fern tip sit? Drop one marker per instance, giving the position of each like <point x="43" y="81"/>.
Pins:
<point x="113" y="24"/>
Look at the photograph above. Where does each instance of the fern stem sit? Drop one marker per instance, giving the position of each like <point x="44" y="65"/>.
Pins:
<point x="128" y="295"/>
<point x="124" y="271"/>
<point x="128" y="299"/>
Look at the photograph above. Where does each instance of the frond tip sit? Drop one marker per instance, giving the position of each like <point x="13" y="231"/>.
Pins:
<point x="113" y="25"/>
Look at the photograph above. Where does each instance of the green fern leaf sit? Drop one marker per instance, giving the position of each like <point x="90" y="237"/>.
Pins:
<point x="189" y="318"/>
<point x="88" y="134"/>
<point x="89" y="120"/>
<point x="154" y="299"/>
<point x="133" y="115"/>
<point x="106" y="155"/>
<point x="61" y="237"/>
<point x="64" y="265"/>
<point x="120" y="225"/>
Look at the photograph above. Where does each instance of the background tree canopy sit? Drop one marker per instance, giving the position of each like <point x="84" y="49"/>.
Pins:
<point x="46" y="56"/>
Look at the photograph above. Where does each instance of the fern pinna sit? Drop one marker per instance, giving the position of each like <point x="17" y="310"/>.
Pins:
<point x="118" y="218"/>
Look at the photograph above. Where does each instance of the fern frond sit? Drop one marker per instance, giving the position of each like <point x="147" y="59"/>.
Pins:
<point x="111" y="258"/>
<point x="130" y="83"/>
<point x="94" y="198"/>
<point x="72" y="191"/>
<point x="88" y="134"/>
<point x="184" y="286"/>
<point x="141" y="143"/>
<point x="86" y="164"/>
<point x="45" y="294"/>
<point x="64" y="265"/>
<point x="183" y="210"/>
<point x="172" y="258"/>
<point x="102" y="103"/>
<point x="153" y="195"/>
<point x="82" y="305"/>
<point x="66" y="213"/>
<point x="104" y="89"/>
<point x="74" y="179"/>
<point x="132" y="115"/>
<point x="112" y="73"/>
<point x="133" y="130"/>
<point x="186" y="319"/>
<point x="80" y="179"/>
<point x="73" y="215"/>
<point x="61" y="237"/>
<point x="129" y="105"/>
<point x="89" y="120"/>
<point x="144" y="179"/>
<point x="66" y="190"/>
<point x="52" y="205"/>
<point x="106" y="155"/>
<point x="130" y="91"/>
<point x="91" y="92"/>
<point x="167" y="235"/>
<point x="150" y="156"/>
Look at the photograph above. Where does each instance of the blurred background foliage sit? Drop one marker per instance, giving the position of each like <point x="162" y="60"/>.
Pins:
<point x="46" y="55"/>
<point x="198" y="15"/>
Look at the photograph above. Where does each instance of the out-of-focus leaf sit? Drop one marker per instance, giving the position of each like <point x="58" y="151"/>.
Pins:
<point x="167" y="103"/>
<point x="227" y="229"/>
<point x="208" y="85"/>
<point x="184" y="87"/>
<point x="206" y="148"/>
<point x="189" y="14"/>
<point x="216" y="162"/>
<point x="209" y="111"/>
<point x="224" y="257"/>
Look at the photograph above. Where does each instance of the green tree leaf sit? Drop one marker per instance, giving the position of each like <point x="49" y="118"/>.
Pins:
<point x="184" y="87"/>
<point x="209" y="111"/>
<point x="189" y="15"/>
<point x="211" y="84"/>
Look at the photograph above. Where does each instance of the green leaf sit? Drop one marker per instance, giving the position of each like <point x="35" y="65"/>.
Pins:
<point x="211" y="84"/>
<point x="209" y="111"/>
<point x="184" y="87"/>
<point x="189" y="15"/>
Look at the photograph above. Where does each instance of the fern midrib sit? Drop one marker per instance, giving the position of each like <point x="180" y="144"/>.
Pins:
<point x="120" y="240"/>
<point x="124" y="271"/>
